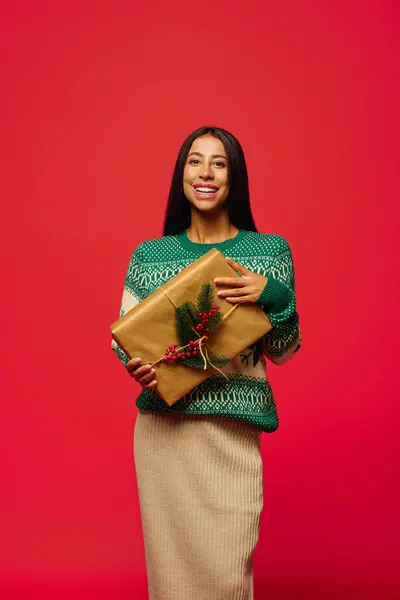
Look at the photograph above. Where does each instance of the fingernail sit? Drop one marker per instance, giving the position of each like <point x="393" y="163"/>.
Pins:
<point x="228" y="258"/>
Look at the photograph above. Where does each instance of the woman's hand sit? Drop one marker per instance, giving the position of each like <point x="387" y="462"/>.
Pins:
<point x="143" y="374"/>
<point x="247" y="288"/>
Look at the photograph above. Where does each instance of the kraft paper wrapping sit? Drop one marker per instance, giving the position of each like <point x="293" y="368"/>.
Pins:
<point x="148" y="329"/>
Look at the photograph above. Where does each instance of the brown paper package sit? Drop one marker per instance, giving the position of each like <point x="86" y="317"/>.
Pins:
<point x="148" y="329"/>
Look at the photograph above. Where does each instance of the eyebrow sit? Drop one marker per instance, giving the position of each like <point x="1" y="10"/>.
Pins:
<point x="212" y="156"/>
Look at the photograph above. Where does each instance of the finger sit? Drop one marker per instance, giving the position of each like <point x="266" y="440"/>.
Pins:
<point x="232" y="281"/>
<point x="152" y="385"/>
<point x="240" y="299"/>
<point x="237" y="266"/>
<point x="147" y="378"/>
<point x="243" y="291"/>
<point x="143" y="370"/>
<point x="134" y="363"/>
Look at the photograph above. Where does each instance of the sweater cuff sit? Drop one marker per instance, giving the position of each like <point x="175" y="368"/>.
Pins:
<point x="275" y="297"/>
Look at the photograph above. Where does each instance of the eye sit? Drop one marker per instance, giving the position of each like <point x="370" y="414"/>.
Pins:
<point x="220" y="164"/>
<point x="193" y="160"/>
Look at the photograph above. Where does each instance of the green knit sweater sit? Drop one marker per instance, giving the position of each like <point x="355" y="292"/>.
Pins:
<point x="247" y="394"/>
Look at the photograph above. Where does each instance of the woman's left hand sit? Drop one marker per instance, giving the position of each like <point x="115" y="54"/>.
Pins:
<point x="247" y="288"/>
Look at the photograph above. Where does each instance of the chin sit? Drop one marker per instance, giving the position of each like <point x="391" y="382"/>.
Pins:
<point x="207" y="207"/>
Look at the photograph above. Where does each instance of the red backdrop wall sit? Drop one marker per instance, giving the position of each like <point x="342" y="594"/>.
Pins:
<point x="97" y="98"/>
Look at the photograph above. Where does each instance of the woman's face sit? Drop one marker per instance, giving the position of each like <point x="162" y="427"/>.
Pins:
<point x="205" y="176"/>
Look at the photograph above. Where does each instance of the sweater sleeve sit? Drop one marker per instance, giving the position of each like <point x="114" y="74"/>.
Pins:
<point x="279" y="302"/>
<point x="134" y="291"/>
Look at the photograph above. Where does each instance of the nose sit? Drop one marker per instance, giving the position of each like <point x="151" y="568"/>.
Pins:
<point x="206" y="171"/>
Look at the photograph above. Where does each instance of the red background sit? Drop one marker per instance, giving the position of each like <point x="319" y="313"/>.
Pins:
<point x="97" y="98"/>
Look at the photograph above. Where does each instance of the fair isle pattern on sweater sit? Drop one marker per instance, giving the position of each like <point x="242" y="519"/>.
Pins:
<point x="247" y="394"/>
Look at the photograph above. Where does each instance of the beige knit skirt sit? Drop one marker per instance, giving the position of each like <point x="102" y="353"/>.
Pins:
<point x="201" y="495"/>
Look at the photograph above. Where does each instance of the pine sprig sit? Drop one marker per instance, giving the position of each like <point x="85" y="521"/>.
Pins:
<point x="215" y="320"/>
<point x="206" y="298"/>
<point x="193" y="325"/>
<point x="185" y="321"/>
<point x="196" y="363"/>
<point x="191" y="309"/>
<point x="218" y="360"/>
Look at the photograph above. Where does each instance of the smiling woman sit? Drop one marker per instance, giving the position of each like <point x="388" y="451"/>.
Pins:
<point x="198" y="462"/>
<point x="205" y="176"/>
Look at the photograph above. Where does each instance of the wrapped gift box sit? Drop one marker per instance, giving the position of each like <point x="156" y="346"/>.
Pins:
<point x="148" y="329"/>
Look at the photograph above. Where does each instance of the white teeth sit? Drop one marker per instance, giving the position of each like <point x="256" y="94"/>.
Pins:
<point x="205" y="190"/>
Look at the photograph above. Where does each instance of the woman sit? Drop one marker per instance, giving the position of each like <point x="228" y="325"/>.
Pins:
<point x="198" y="463"/>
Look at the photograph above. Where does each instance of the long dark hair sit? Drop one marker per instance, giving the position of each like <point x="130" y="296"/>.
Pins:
<point x="177" y="214"/>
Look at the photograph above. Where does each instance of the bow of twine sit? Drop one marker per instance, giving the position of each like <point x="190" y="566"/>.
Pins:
<point x="203" y="350"/>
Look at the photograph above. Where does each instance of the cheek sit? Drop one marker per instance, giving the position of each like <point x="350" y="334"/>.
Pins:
<point x="225" y="193"/>
<point x="225" y="181"/>
<point x="225" y="185"/>
<point x="187" y="175"/>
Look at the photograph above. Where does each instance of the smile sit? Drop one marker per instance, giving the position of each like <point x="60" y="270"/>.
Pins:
<point x="205" y="192"/>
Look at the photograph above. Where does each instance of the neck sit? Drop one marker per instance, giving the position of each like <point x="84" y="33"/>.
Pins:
<point x="210" y="229"/>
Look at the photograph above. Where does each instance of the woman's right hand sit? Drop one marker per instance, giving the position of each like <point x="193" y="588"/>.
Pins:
<point x="143" y="374"/>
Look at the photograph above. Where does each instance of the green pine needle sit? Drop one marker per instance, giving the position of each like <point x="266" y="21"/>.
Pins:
<point x="205" y="299"/>
<point x="218" y="359"/>
<point x="185" y="322"/>
<point x="197" y="362"/>
<point x="215" y="320"/>
<point x="186" y="319"/>
<point x="191" y="309"/>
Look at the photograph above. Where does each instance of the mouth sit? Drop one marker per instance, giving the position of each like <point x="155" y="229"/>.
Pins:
<point x="205" y="191"/>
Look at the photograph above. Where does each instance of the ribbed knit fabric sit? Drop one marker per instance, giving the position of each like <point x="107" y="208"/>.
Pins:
<point x="246" y="395"/>
<point x="201" y="495"/>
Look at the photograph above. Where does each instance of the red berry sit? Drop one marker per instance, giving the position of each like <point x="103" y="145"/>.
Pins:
<point x="195" y="353"/>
